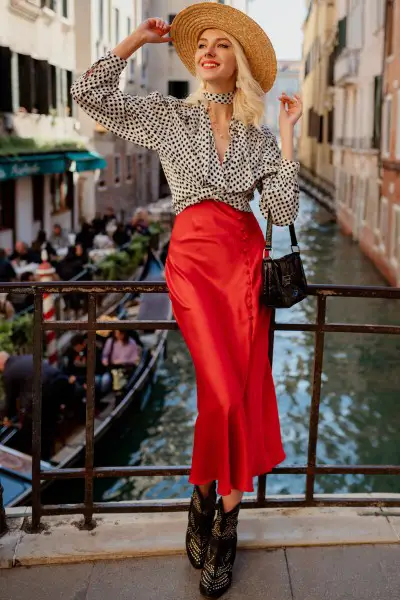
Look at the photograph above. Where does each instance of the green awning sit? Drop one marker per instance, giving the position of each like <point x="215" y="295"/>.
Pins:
<point x="85" y="161"/>
<point x="12" y="167"/>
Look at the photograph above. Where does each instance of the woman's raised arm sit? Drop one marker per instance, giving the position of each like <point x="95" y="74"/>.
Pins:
<point x="143" y="120"/>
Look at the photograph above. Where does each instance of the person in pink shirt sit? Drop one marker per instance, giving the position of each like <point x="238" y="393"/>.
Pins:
<point x="120" y="349"/>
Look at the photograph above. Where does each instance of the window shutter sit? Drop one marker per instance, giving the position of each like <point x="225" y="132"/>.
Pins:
<point x="377" y="111"/>
<point x="69" y="97"/>
<point x="26" y="81"/>
<point x="53" y="87"/>
<point x="5" y="78"/>
<point x="42" y="85"/>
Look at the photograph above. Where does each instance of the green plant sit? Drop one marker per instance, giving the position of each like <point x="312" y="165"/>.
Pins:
<point x="13" y="144"/>
<point x="16" y="337"/>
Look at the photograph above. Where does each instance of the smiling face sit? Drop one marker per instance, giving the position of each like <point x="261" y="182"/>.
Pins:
<point x="215" y="60"/>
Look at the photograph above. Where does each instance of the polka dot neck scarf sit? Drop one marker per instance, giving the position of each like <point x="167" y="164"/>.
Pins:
<point x="226" y="98"/>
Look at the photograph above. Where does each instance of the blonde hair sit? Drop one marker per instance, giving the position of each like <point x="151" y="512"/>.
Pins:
<point x="248" y="101"/>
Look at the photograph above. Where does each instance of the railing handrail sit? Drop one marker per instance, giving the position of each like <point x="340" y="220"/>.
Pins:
<point x="57" y="287"/>
<point x="321" y="291"/>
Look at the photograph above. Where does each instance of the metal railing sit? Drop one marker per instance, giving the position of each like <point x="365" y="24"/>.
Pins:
<point x="88" y="508"/>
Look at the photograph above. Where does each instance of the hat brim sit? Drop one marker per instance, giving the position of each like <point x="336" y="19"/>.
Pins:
<point x="193" y="20"/>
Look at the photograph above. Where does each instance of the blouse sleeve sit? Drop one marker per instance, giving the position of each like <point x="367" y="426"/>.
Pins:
<point x="143" y="120"/>
<point x="279" y="187"/>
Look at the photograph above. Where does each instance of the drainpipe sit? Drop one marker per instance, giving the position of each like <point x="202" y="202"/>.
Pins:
<point x="3" y="526"/>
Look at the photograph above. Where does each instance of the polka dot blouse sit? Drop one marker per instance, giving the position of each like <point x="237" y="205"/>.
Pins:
<point x="181" y="134"/>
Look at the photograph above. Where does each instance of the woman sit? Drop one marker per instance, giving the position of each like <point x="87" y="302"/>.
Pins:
<point x="215" y="154"/>
<point x="120" y="349"/>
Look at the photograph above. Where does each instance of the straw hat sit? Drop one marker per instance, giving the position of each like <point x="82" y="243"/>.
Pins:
<point x="193" y="20"/>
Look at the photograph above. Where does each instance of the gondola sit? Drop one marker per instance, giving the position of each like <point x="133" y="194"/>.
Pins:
<point x="16" y="467"/>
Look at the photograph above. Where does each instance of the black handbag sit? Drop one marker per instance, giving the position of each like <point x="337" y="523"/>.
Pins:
<point x="283" y="279"/>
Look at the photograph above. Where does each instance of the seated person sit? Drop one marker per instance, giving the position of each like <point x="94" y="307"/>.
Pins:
<point x="58" y="239"/>
<point x="7" y="272"/>
<point x="18" y="375"/>
<point x="23" y="253"/>
<point x="76" y="366"/>
<point x="41" y="243"/>
<point x="120" y="353"/>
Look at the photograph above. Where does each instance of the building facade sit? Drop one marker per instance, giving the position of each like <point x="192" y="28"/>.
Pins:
<point x="37" y="120"/>
<point x="288" y="81"/>
<point x="316" y="135"/>
<point x="358" y="92"/>
<point x="381" y="235"/>
<point x="130" y="178"/>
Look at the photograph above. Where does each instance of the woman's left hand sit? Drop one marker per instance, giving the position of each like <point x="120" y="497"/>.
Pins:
<point x="291" y="109"/>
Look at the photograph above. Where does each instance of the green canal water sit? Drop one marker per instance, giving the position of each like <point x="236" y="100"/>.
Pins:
<point x="359" y="416"/>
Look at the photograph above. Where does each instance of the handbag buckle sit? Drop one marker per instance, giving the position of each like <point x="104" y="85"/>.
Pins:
<point x="270" y="253"/>
<point x="296" y="249"/>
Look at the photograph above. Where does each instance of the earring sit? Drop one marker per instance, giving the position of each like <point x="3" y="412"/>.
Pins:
<point x="202" y="85"/>
<point x="237" y="84"/>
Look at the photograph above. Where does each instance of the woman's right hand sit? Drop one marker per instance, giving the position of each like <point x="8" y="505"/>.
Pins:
<point x="153" y="31"/>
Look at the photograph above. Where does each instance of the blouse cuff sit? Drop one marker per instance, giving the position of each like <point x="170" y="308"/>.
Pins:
<point x="290" y="168"/>
<point x="115" y="61"/>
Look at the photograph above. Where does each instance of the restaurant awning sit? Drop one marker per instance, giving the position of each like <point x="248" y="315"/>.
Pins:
<point x="13" y="167"/>
<point x="85" y="161"/>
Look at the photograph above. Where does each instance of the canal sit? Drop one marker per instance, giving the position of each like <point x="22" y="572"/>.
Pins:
<point x="359" y="418"/>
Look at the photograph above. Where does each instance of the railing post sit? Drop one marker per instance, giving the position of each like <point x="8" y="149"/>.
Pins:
<point x="3" y="526"/>
<point x="316" y="398"/>
<point x="262" y="480"/>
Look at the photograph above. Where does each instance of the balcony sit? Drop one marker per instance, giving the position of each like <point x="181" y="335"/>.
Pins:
<point x="346" y="67"/>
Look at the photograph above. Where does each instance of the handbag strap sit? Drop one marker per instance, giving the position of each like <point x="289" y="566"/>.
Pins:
<point x="268" y="237"/>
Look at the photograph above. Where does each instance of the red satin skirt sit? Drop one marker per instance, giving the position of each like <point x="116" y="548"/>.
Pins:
<point x="213" y="272"/>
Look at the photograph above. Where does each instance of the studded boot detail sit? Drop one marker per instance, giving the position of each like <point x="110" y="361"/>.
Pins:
<point x="200" y="521"/>
<point x="216" y="576"/>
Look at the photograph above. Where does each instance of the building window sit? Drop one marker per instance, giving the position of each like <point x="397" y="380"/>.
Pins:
<point x="331" y="123"/>
<point x="320" y="137"/>
<point x="101" y="18"/>
<point x="398" y="126"/>
<point x="129" y="167"/>
<point x="387" y="122"/>
<point x="384" y="223"/>
<point x="170" y="19"/>
<point x="42" y="86"/>
<point x="50" y="4"/>
<point x="178" y="89"/>
<point x="101" y="184"/>
<point x="389" y="28"/>
<point x="116" y="24"/>
<point x="26" y="81"/>
<point x="342" y="34"/>
<point x="6" y="104"/>
<point x="70" y="103"/>
<point x="376" y="142"/>
<point x="395" y="250"/>
<point x="61" y="192"/>
<point x="64" y="9"/>
<point x="117" y="169"/>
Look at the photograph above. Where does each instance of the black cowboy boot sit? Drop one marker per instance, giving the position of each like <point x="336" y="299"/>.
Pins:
<point x="216" y="576"/>
<point x="201" y="517"/>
